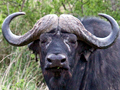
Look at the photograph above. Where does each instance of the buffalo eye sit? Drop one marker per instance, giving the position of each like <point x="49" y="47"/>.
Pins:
<point x="43" y="41"/>
<point x="44" y="38"/>
<point x="72" y="41"/>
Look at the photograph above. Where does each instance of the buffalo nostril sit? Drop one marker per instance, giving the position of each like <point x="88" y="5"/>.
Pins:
<point x="63" y="60"/>
<point x="49" y="60"/>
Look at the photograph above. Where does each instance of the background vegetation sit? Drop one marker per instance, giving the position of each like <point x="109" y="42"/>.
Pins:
<point x="18" y="69"/>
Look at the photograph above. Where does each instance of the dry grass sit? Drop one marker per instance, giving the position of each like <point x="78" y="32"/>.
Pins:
<point x="21" y="73"/>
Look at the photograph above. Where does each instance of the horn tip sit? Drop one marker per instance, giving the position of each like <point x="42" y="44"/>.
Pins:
<point x="101" y="14"/>
<point x="21" y="13"/>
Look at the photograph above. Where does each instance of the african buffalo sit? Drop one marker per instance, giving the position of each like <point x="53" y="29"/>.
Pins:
<point x="74" y="54"/>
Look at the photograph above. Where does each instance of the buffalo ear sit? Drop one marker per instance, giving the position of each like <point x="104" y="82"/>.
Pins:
<point x="85" y="50"/>
<point x="87" y="54"/>
<point x="34" y="46"/>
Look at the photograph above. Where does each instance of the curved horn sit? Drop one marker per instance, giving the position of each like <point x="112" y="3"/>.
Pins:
<point x="72" y="24"/>
<point x="45" y="24"/>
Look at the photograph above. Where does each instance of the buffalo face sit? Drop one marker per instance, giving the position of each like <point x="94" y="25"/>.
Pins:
<point x="58" y="50"/>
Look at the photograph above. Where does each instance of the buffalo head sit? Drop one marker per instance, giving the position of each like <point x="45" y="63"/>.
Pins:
<point x="61" y="42"/>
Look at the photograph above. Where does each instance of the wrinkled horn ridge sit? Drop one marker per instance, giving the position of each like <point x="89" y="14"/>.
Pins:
<point x="107" y="41"/>
<point x="73" y="25"/>
<point x="67" y="22"/>
<point x="45" y="24"/>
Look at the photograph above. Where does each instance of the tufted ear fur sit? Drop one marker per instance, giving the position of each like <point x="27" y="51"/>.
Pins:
<point x="34" y="46"/>
<point x="85" y="50"/>
<point x="87" y="54"/>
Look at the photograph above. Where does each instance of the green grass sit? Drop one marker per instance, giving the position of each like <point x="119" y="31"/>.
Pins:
<point x="22" y="72"/>
<point x="18" y="67"/>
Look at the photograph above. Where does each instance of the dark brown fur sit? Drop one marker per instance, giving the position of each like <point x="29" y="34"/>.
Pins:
<point x="101" y="71"/>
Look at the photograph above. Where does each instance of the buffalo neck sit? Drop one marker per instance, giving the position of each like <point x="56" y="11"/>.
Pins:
<point x="79" y="75"/>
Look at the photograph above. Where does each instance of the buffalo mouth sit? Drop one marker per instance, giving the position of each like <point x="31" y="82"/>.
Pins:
<point x="57" y="69"/>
